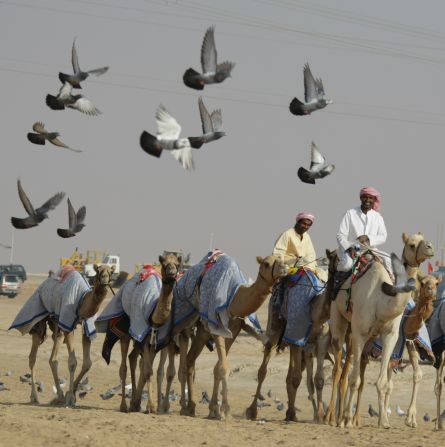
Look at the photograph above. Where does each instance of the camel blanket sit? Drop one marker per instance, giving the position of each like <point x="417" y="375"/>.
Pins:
<point x="299" y="290"/>
<point x="206" y="293"/>
<point x="422" y="340"/>
<point x="436" y="330"/>
<point x="59" y="299"/>
<point x="137" y="300"/>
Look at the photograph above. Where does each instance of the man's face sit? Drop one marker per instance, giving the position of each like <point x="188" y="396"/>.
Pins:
<point x="367" y="202"/>
<point x="302" y="226"/>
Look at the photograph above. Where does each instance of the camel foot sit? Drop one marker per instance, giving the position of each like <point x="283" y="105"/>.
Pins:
<point x="411" y="422"/>
<point x="184" y="411"/>
<point x="150" y="409"/>
<point x="123" y="408"/>
<point x="58" y="401"/>
<point x="34" y="399"/>
<point x="135" y="407"/>
<point x="384" y="424"/>
<point x="70" y="400"/>
<point x="252" y="412"/>
<point x="214" y="413"/>
<point x="164" y="408"/>
<point x="438" y="426"/>
<point x="357" y="421"/>
<point x="291" y="416"/>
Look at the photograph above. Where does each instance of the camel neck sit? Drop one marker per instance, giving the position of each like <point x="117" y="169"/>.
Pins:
<point x="163" y="307"/>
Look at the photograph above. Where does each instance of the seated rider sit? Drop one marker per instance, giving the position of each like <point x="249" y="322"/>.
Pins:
<point x="362" y="227"/>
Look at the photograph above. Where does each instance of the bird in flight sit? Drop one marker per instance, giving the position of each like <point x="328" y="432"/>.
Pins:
<point x="318" y="169"/>
<point x="75" y="221"/>
<point x="42" y="135"/>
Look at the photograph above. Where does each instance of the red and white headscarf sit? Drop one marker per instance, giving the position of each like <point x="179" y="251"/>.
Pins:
<point x="305" y="215"/>
<point x="369" y="190"/>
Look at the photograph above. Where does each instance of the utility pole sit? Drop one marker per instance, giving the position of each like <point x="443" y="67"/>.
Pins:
<point x="11" y="256"/>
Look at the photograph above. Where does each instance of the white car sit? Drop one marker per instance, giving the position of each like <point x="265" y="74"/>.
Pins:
<point x="10" y="285"/>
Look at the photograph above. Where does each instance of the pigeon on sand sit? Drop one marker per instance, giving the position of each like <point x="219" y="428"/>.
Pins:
<point x="42" y="135"/>
<point x="34" y="216"/>
<point x="314" y="96"/>
<point x="78" y="76"/>
<point x="212" y="72"/>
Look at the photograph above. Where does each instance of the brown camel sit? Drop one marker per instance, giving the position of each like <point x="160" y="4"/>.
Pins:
<point x="318" y="338"/>
<point x="246" y="300"/>
<point x="89" y="306"/>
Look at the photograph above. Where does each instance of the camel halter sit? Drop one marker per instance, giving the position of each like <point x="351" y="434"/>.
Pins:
<point x="273" y="279"/>
<point x="415" y="257"/>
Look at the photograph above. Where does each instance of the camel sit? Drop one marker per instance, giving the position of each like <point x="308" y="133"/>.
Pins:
<point x="370" y="310"/>
<point x="212" y="295"/>
<point x="86" y="303"/>
<point x="319" y="337"/>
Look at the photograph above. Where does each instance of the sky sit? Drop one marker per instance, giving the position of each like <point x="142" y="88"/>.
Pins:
<point x="382" y="63"/>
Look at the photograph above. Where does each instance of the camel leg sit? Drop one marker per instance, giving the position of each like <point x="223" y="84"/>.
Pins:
<point x="196" y="348"/>
<point x="70" y="398"/>
<point x="309" y="360"/>
<point x="338" y="330"/>
<point x="323" y="343"/>
<point x="54" y="364"/>
<point x="344" y="382"/>
<point x="86" y="360"/>
<point x="389" y="341"/>
<point x="358" y="343"/>
<point x="125" y="344"/>
<point x="293" y="380"/>
<point x="133" y="361"/>
<point x="32" y="361"/>
<point x="363" y="364"/>
<point x="182" y="370"/>
<point x="410" y="420"/>
<point x="171" y="372"/>
<point x="146" y="372"/>
<point x="274" y="335"/>
<point x="438" y="391"/>
<point x="160" y="374"/>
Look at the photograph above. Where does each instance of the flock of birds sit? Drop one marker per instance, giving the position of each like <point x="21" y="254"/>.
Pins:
<point x="168" y="135"/>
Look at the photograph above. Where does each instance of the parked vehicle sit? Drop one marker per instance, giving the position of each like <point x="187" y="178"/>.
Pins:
<point x="10" y="285"/>
<point x="14" y="269"/>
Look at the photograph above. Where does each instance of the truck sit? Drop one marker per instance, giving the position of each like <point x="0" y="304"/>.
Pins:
<point x="85" y="264"/>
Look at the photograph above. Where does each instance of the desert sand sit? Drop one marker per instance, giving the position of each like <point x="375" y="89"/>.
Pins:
<point x="98" y="422"/>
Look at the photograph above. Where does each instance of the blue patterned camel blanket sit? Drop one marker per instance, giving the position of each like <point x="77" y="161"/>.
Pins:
<point x="136" y="299"/>
<point x="205" y="293"/>
<point x="59" y="299"/>
<point x="299" y="290"/>
<point x="436" y="330"/>
<point x="422" y="340"/>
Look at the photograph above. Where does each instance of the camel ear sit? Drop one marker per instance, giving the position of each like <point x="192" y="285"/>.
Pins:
<point x="421" y="276"/>
<point x="161" y="259"/>
<point x="259" y="259"/>
<point x="405" y="237"/>
<point x="96" y="267"/>
<point x="328" y="253"/>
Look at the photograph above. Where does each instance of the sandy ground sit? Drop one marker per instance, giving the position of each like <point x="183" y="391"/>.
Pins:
<point x="97" y="422"/>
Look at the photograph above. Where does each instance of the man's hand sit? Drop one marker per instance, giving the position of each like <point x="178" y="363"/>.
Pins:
<point x="363" y="239"/>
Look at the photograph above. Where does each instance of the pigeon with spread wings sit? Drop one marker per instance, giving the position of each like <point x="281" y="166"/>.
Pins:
<point x="42" y="135"/>
<point x="212" y="72"/>
<point x="78" y="76"/>
<point x="34" y="216"/>
<point x="211" y="123"/>
<point x="75" y="221"/>
<point x="167" y="138"/>
<point x="65" y="98"/>
<point x="314" y="95"/>
<point x="318" y="169"/>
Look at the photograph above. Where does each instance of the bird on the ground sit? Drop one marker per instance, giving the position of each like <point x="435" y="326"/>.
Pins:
<point x="426" y="417"/>
<point x="372" y="412"/>
<point x="78" y="76"/>
<point x="167" y="138"/>
<point x="26" y="378"/>
<point x="34" y="216"/>
<point x="75" y="221"/>
<point x="212" y="72"/>
<point x="205" y="398"/>
<point x="314" y="95"/>
<point x="280" y="406"/>
<point x="65" y="98"/>
<point x="42" y="135"/>
<point x="211" y="123"/>
<point x="269" y="393"/>
<point x="3" y="387"/>
<point x="318" y="169"/>
<point x="399" y="411"/>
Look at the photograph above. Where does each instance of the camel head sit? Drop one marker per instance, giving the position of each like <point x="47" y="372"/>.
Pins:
<point x="416" y="249"/>
<point x="169" y="267"/>
<point x="428" y="287"/>
<point x="332" y="260"/>
<point x="104" y="273"/>
<point x="272" y="269"/>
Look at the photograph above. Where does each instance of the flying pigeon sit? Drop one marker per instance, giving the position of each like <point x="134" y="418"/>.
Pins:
<point x="212" y="72"/>
<point x="314" y="95"/>
<point x="35" y="216"/>
<point x="66" y="99"/>
<point x="318" y="168"/>
<point x="79" y="75"/>
<point x="372" y="412"/>
<point x="399" y="411"/>
<point x="42" y="135"/>
<point x="167" y="137"/>
<point x="211" y="123"/>
<point x="403" y="284"/>
<point x="75" y="221"/>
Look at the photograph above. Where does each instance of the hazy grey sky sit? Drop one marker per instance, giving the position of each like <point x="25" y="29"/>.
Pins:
<point x="382" y="62"/>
